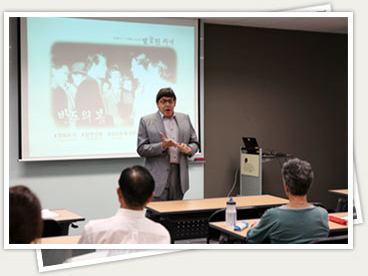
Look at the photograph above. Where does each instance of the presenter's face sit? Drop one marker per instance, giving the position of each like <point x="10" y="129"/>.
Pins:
<point x="166" y="105"/>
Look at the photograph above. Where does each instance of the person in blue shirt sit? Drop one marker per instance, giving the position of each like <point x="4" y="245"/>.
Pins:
<point x="298" y="221"/>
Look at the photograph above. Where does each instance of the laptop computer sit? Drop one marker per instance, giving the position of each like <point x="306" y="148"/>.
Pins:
<point x="251" y="145"/>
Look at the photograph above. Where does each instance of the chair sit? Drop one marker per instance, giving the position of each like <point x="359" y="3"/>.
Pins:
<point x="343" y="239"/>
<point x="342" y="205"/>
<point x="51" y="228"/>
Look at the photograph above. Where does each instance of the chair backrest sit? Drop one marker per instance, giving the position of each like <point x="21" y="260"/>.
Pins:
<point x="51" y="228"/>
<point x="343" y="239"/>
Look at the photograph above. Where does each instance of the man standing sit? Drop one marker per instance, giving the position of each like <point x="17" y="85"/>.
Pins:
<point x="129" y="225"/>
<point x="166" y="138"/>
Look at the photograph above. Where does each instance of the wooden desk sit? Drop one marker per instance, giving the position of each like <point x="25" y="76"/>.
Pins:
<point x="340" y="192"/>
<point x="60" y="240"/>
<point x="188" y="219"/>
<point x="64" y="219"/>
<point x="342" y="202"/>
<point x="66" y="216"/>
<point x="241" y="236"/>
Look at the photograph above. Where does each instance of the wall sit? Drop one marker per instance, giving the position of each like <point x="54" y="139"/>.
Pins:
<point x="286" y="88"/>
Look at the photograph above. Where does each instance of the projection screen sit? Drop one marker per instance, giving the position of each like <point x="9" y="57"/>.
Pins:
<point x="86" y="82"/>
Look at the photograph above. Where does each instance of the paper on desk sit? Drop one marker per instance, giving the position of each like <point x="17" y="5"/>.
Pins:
<point x="46" y="214"/>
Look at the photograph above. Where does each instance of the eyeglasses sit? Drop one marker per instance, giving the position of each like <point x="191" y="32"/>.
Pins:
<point x="163" y="101"/>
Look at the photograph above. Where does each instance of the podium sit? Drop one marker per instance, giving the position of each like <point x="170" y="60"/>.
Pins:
<point x="250" y="172"/>
<point x="251" y="161"/>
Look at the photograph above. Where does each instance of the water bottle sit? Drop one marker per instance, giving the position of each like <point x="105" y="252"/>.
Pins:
<point x="230" y="214"/>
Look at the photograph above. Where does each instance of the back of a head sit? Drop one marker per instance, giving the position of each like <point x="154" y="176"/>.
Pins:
<point x="25" y="221"/>
<point x="165" y="92"/>
<point x="298" y="176"/>
<point x="136" y="185"/>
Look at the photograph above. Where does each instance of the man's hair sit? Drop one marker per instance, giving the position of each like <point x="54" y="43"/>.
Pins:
<point x="136" y="185"/>
<point x="165" y="92"/>
<point x="25" y="221"/>
<point x="93" y="59"/>
<point x="298" y="176"/>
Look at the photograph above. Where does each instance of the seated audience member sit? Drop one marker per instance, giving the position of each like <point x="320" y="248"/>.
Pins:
<point x="25" y="221"/>
<point x="298" y="221"/>
<point x="129" y="225"/>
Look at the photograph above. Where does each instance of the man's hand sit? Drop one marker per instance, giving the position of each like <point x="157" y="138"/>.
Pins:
<point x="166" y="143"/>
<point x="184" y="148"/>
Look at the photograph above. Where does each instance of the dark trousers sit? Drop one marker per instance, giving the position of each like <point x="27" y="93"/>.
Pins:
<point x="172" y="189"/>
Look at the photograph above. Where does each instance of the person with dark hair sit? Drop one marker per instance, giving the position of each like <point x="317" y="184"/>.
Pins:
<point x="60" y="95"/>
<point x="166" y="139"/>
<point x="111" y="95"/>
<point x="88" y="99"/>
<point x="165" y="92"/>
<point x="125" y="105"/>
<point x="129" y="225"/>
<point x="298" y="221"/>
<point x="25" y="221"/>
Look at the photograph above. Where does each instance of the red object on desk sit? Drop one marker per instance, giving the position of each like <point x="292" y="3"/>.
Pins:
<point x="338" y="220"/>
<point x="199" y="159"/>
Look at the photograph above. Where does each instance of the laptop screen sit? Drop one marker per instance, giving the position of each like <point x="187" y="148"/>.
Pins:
<point x="250" y="143"/>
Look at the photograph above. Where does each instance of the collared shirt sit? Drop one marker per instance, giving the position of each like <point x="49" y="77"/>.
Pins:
<point x="126" y="227"/>
<point x="172" y="132"/>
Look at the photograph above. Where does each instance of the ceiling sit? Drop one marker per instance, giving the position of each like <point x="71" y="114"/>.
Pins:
<point x="338" y="25"/>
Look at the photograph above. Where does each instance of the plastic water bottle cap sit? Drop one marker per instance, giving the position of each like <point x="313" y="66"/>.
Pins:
<point x="231" y="201"/>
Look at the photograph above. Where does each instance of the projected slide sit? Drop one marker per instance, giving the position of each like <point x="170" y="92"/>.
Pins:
<point x="86" y="83"/>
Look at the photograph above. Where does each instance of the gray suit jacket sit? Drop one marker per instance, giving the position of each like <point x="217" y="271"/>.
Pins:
<point x="157" y="161"/>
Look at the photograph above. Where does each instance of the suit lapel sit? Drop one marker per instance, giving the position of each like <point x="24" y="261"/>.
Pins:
<point x="159" y="124"/>
<point x="179" y="122"/>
